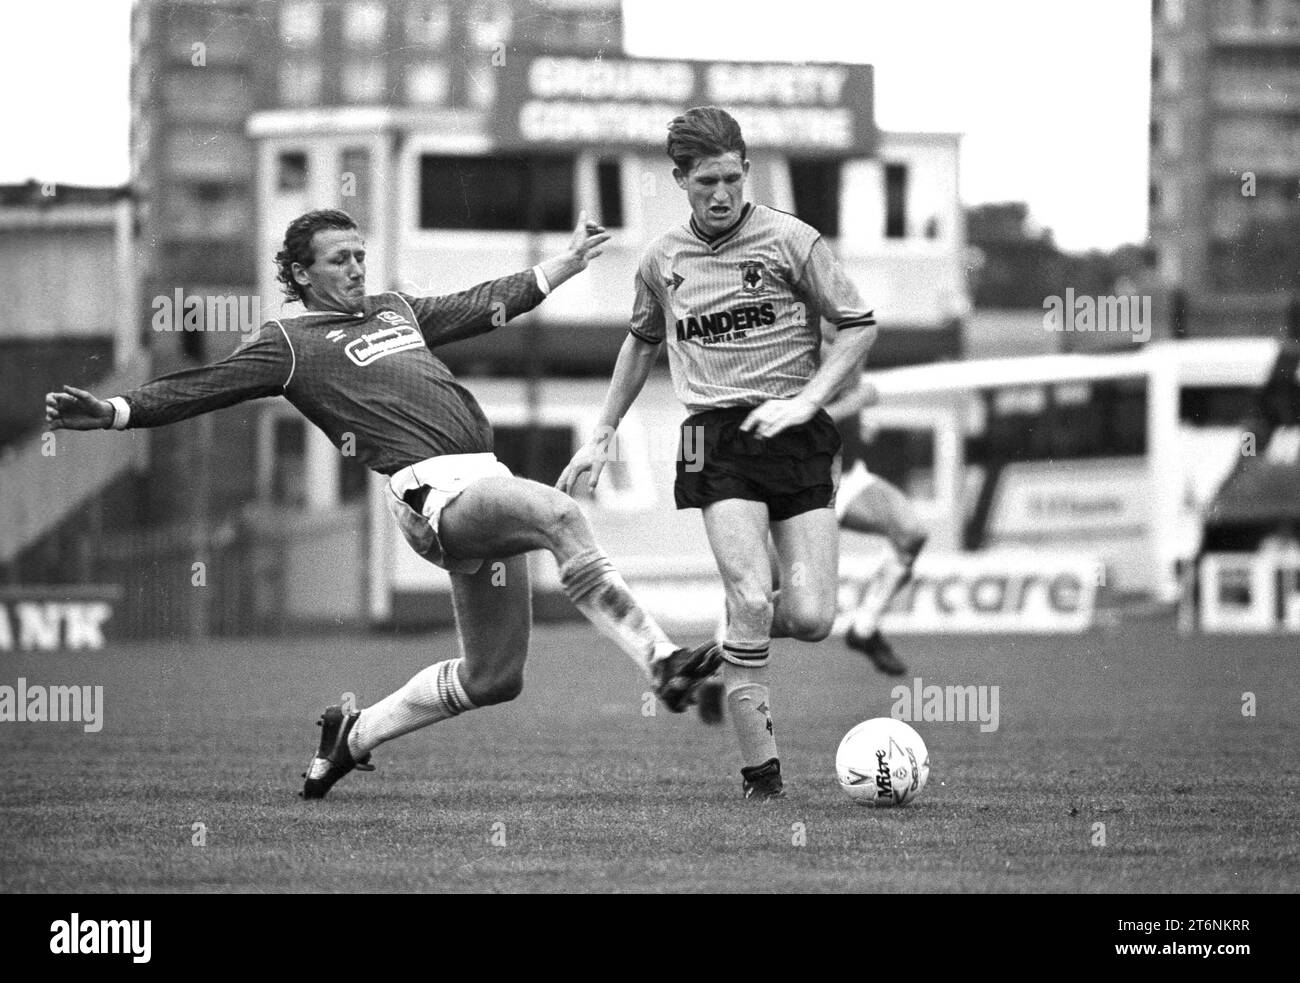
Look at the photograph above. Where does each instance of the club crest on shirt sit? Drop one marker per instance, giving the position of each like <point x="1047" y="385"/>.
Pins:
<point x="752" y="276"/>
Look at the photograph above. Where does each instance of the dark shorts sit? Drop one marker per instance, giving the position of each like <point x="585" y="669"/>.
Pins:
<point x="792" y="473"/>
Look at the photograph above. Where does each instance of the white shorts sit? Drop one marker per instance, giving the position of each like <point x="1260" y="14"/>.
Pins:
<point x="852" y="484"/>
<point x="445" y="477"/>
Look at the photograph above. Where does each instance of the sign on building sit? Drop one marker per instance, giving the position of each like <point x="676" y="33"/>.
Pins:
<point x="1038" y="591"/>
<point x="56" y="617"/>
<point x="1242" y="593"/>
<point x="807" y="110"/>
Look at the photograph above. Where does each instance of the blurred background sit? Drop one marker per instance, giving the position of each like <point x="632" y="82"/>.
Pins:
<point x="1112" y="425"/>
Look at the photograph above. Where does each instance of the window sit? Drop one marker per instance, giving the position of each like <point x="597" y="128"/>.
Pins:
<point x="1217" y="406"/>
<point x="496" y="193"/>
<point x="895" y="201"/>
<point x="905" y="458"/>
<point x="292" y="171"/>
<point x="481" y="85"/>
<point x="363" y="23"/>
<point x="300" y="82"/>
<point x="1153" y="133"/>
<point x="542" y="462"/>
<point x="353" y="479"/>
<point x="363" y="81"/>
<point x="207" y="210"/>
<point x="816" y="185"/>
<point x="609" y="182"/>
<point x="208" y="152"/>
<point x="427" y="83"/>
<point x="228" y="36"/>
<point x="1173" y="134"/>
<point x="300" y="23"/>
<point x="1173" y="72"/>
<point x="193" y="346"/>
<point x="354" y="184"/>
<point x="211" y="95"/>
<point x="489" y="23"/>
<point x="289" y="462"/>
<point x="1169" y="264"/>
<point x="577" y="29"/>
<point x="1040" y="422"/>
<point x="428" y="22"/>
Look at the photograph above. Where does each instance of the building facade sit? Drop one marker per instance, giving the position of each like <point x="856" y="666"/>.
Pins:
<point x="1225" y="164"/>
<point x="247" y="113"/>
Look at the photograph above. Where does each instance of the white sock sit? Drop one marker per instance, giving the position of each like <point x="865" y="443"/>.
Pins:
<point x="596" y="589"/>
<point x="431" y="695"/>
<point x="749" y="706"/>
<point x="867" y="617"/>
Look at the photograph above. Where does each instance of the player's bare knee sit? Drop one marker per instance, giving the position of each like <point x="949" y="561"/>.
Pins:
<point x="489" y="689"/>
<point x="564" y="525"/>
<point x="810" y="624"/>
<point x="506" y="688"/>
<point x="750" y="604"/>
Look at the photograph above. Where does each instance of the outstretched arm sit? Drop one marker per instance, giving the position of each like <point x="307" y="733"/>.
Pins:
<point x="76" y="409"/>
<point x="488" y="305"/>
<point x="586" y="243"/>
<point x="260" y="368"/>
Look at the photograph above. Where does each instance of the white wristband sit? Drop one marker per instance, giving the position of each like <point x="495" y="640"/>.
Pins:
<point x="542" y="283"/>
<point x="121" y="412"/>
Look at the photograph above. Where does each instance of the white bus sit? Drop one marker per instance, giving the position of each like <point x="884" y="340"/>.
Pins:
<point x="1111" y="454"/>
<point x="1048" y="459"/>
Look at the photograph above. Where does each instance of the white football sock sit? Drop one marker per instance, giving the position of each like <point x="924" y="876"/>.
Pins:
<point x="749" y="706"/>
<point x="431" y="695"/>
<point x="596" y="589"/>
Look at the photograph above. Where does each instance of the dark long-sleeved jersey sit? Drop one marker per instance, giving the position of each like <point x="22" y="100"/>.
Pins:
<point x="370" y="375"/>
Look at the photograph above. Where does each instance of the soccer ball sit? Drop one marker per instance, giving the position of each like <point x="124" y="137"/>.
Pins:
<point x="882" y="762"/>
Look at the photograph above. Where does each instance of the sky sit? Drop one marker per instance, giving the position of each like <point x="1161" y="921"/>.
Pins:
<point x="1051" y="96"/>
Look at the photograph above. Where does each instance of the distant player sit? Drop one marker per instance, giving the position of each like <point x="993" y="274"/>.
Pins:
<point x="361" y="366"/>
<point x="868" y="503"/>
<point x="731" y="292"/>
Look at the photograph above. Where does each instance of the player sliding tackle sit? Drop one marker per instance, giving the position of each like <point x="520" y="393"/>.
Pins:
<point x="360" y="366"/>
<point x="734" y="292"/>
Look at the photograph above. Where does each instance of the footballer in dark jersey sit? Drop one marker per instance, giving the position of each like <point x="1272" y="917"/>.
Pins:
<point x="362" y="366"/>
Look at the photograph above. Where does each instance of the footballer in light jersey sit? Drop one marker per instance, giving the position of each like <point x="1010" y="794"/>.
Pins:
<point x="735" y="294"/>
<point x="362" y="365"/>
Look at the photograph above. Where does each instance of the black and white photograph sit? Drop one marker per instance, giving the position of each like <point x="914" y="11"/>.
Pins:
<point x="662" y="447"/>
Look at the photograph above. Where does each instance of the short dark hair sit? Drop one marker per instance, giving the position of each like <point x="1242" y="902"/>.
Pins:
<point x="703" y="131"/>
<point x="297" y="245"/>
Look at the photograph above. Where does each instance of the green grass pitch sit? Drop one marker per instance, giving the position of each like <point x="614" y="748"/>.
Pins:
<point x="573" y="788"/>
